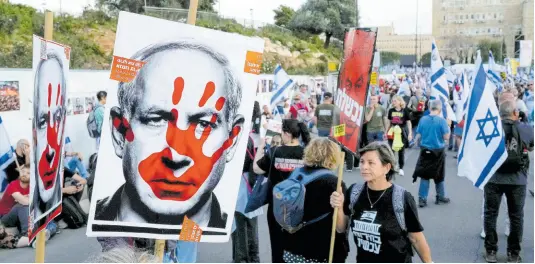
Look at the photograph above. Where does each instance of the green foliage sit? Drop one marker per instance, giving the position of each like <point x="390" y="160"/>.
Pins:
<point x="331" y="17"/>
<point x="283" y="15"/>
<point x="388" y="57"/>
<point x="426" y="59"/>
<point x="137" y="6"/>
<point x="494" y="46"/>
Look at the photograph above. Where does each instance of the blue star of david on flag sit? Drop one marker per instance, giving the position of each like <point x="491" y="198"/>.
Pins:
<point x="489" y="118"/>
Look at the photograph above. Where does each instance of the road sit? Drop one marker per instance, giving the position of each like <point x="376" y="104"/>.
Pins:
<point x="452" y="230"/>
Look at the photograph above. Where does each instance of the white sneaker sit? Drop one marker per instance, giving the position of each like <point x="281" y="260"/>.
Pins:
<point x="483" y="235"/>
<point x="401" y="172"/>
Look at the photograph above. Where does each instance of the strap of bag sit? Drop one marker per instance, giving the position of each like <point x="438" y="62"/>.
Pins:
<point x="251" y="155"/>
<point x="249" y="189"/>
<point x="315" y="175"/>
<point x="398" y="202"/>
<point x="315" y="220"/>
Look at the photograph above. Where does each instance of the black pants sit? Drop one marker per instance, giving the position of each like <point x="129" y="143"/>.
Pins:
<point x="516" y="195"/>
<point x="276" y="236"/>
<point x="401" y="153"/>
<point x="245" y="240"/>
<point x="17" y="217"/>
<point x="350" y="160"/>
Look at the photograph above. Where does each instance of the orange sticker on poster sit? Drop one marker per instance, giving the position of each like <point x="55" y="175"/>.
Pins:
<point x="253" y="62"/>
<point x="124" y="69"/>
<point x="191" y="231"/>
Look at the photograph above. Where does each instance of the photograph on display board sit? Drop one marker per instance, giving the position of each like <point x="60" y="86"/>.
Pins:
<point x="9" y="96"/>
<point x="50" y="73"/>
<point x="79" y="106"/>
<point x="69" y="106"/>
<point x="175" y="130"/>
<point x="89" y="104"/>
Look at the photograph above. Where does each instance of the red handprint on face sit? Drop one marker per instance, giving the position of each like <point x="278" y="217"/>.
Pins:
<point x="156" y="169"/>
<point x="49" y="161"/>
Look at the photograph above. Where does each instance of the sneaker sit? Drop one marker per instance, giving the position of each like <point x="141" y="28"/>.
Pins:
<point x="483" y="235"/>
<point x="513" y="258"/>
<point x="422" y="202"/>
<point x="349" y="170"/>
<point x="442" y="200"/>
<point x="401" y="172"/>
<point x="47" y="237"/>
<point x="490" y="257"/>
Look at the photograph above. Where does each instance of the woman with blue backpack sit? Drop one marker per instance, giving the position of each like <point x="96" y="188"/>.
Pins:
<point x="278" y="165"/>
<point x="381" y="216"/>
<point x="307" y="218"/>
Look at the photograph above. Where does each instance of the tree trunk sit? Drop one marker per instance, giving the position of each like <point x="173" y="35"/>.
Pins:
<point x="328" y="36"/>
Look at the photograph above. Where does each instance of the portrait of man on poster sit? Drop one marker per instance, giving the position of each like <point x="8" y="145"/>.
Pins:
<point x="175" y="128"/>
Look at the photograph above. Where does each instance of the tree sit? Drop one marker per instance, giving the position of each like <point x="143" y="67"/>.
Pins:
<point x="136" y="6"/>
<point x="389" y="57"/>
<point x="496" y="47"/>
<point x="283" y="15"/>
<point x="331" y="17"/>
<point x="426" y="59"/>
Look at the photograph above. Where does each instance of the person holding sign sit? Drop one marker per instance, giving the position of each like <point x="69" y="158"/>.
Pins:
<point x="381" y="216"/>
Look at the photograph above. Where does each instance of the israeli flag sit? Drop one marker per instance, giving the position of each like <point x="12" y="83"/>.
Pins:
<point x="7" y="155"/>
<point x="493" y="75"/>
<point x="439" y="84"/>
<point x="482" y="149"/>
<point x="460" y="96"/>
<point x="281" y="82"/>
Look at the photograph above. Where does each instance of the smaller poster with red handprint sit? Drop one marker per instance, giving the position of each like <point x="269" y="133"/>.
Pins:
<point x="50" y="71"/>
<point x="175" y="131"/>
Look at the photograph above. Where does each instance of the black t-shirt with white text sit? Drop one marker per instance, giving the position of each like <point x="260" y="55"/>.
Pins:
<point x="376" y="231"/>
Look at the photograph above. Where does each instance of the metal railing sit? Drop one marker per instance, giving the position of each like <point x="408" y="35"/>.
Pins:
<point x="181" y="15"/>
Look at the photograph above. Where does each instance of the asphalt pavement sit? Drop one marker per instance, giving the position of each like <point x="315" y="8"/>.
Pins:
<point x="452" y="230"/>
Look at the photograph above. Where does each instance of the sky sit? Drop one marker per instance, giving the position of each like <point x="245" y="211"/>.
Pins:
<point x="402" y="13"/>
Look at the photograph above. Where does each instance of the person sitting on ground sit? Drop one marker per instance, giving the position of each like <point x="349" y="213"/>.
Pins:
<point x="73" y="160"/>
<point x="14" y="203"/>
<point x="124" y="254"/>
<point x="321" y="153"/>
<point x="381" y="233"/>
<point x="23" y="157"/>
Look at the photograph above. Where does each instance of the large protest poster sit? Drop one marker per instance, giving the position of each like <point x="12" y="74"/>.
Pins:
<point x="50" y="71"/>
<point x="359" y="46"/>
<point x="175" y="130"/>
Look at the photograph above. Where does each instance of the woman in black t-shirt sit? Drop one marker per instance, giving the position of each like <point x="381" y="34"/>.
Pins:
<point x="321" y="153"/>
<point x="278" y="166"/>
<point x="399" y="115"/>
<point x="378" y="233"/>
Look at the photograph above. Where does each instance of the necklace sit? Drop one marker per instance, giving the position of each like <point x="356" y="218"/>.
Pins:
<point x="370" y="200"/>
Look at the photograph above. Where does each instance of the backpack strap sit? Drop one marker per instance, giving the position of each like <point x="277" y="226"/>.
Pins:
<point x="314" y="175"/>
<point x="398" y="202"/>
<point x="356" y="190"/>
<point x="315" y="220"/>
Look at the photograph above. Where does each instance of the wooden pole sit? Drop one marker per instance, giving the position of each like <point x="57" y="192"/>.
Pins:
<point x="335" y="215"/>
<point x="40" y="240"/>
<point x="192" y="13"/>
<point x="159" y="246"/>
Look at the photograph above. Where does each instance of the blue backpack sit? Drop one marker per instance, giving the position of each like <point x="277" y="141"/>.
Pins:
<point x="289" y="199"/>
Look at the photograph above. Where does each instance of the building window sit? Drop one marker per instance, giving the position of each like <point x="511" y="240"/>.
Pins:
<point x="495" y="16"/>
<point x="472" y="16"/>
<point x="444" y="18"/>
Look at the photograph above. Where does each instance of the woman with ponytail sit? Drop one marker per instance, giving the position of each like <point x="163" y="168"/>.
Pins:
<point x="278" y="165"/>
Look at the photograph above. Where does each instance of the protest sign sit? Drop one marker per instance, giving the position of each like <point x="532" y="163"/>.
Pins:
<point x="359" y="45"/>
<point x="174" y="137"/>
<point x="50" y="69"/>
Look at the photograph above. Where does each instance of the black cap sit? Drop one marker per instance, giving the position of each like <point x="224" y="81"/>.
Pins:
<point x="328" y="94"/>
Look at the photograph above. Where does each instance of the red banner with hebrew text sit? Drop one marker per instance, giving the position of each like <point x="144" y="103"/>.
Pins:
<point x="353" y="83"/>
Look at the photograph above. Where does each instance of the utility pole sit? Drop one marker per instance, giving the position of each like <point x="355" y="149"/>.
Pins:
<point x="416" y="37"/>
<point x="357" y="13"/>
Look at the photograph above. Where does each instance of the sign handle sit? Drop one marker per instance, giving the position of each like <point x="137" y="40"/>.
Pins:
<point x="40" y="239"/>
<point x="159" y="248"/>
<point x="335" y="215"/>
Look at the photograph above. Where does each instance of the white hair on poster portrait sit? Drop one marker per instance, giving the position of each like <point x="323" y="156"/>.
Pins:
<point x="173" y="139"/>
<point x="50" y="68"/>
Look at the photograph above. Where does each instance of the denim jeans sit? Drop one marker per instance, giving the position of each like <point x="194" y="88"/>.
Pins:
<point x="17" y="217"/>
<point x="423" y="192"/>
<point x="76" y="165"/>
<point x="323" y="132"/>
<point x="375" y="136"/>
<point x="245" y="240"/>
<point x="516" y="196"/>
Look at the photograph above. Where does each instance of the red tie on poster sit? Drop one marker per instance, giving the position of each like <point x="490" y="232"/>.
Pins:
<point x="353" y="83"/>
